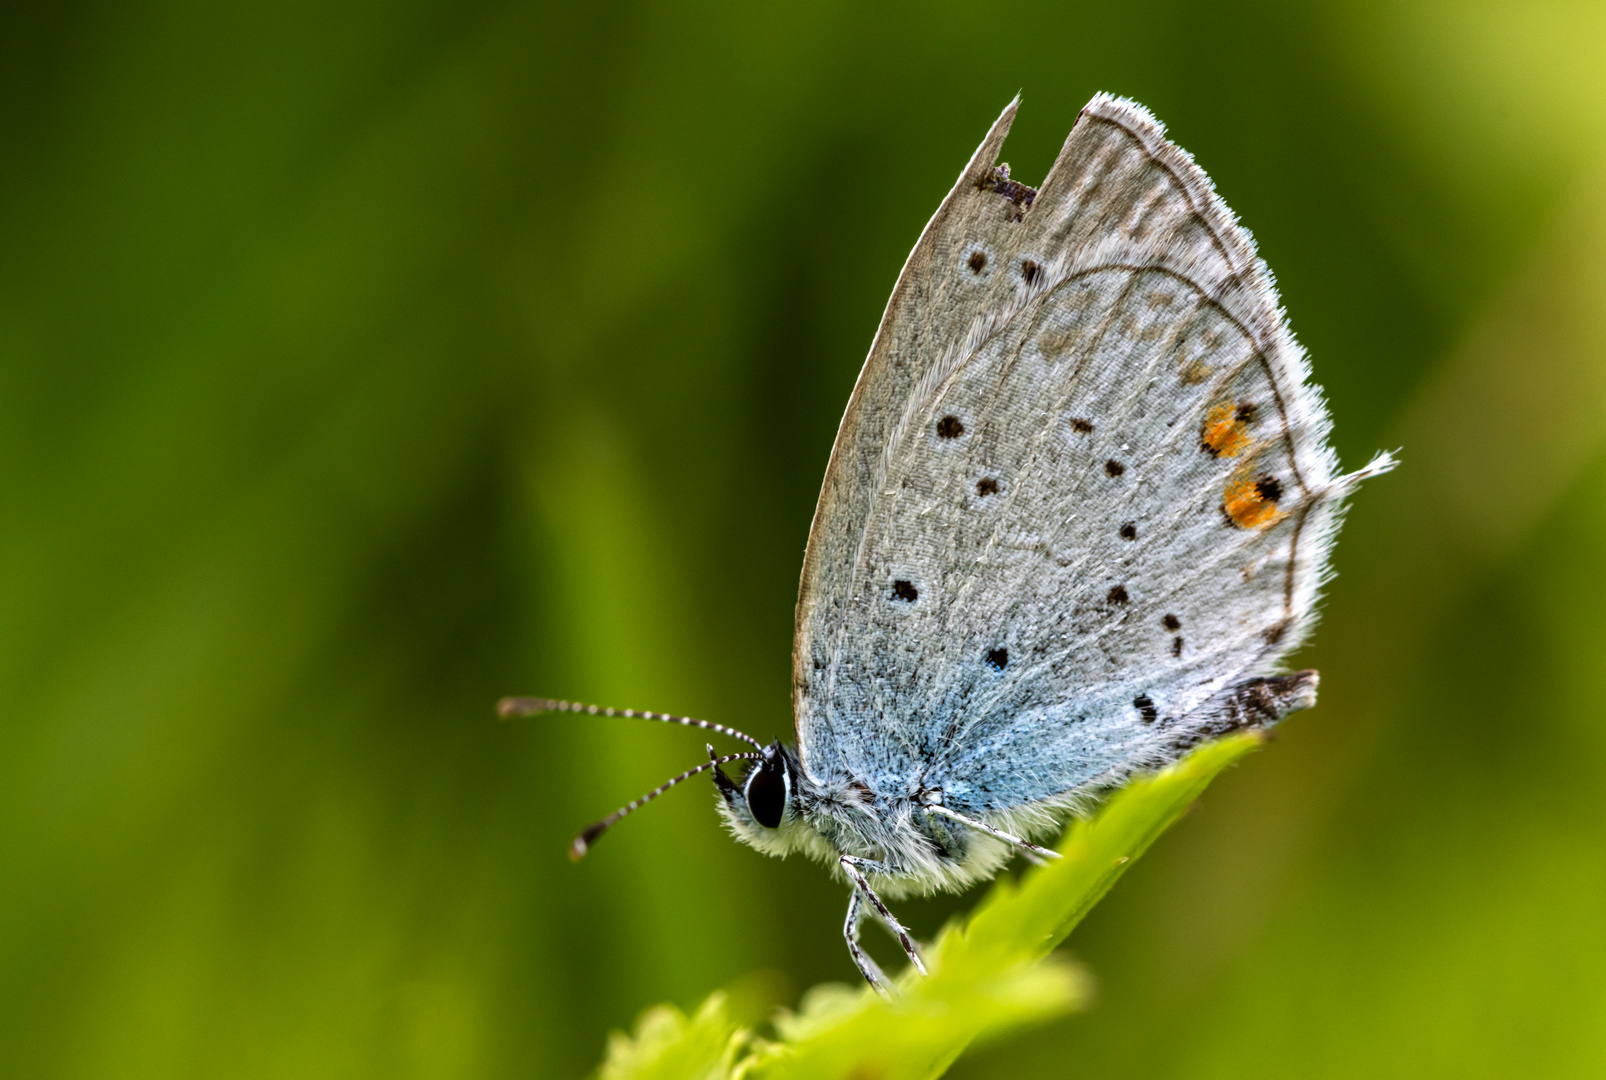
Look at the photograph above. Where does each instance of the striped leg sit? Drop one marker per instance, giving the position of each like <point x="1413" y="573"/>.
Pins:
<point x="850" y="930"/>
<point x="852" y="865"/>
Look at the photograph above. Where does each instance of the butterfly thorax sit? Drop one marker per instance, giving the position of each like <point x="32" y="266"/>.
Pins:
<point x="907" y="846"/>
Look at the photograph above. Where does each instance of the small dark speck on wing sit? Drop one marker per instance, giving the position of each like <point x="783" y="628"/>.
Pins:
<point x="1013" y="190"/>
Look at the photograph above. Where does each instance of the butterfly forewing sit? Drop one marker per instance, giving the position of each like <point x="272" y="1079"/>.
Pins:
<point x="1081" y="487"/>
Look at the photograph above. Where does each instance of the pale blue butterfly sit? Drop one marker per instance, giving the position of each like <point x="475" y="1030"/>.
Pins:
<point x="1079" y="508"/>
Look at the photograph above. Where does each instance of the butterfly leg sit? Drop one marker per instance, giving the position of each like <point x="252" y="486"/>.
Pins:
<point x="1037" y="855"/>
<point x="850" y="929"/>
<point x="851" y="865"/>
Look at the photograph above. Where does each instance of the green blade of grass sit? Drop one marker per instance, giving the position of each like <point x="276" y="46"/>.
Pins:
<point x="990" y="974"/>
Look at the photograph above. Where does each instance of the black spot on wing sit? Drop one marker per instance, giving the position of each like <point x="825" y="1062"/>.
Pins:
<point x="949" y="427"/>
<point x="1129" y="531"/>
<point x="1030" y="271"/>
<point x="1114" y="468"/>
<point x="1080" y="426"/>
<point x="977" y="261"/>
<point x="998" y="658"/>
<point x="905" y="591"/>
<point x="1171" y="622"/>
<point x="986" y="486"/>
<point x="1145" y="707"/>
<point x="1117" y="595"/>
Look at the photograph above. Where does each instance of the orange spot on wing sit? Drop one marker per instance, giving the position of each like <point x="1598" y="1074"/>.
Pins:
<point x="1246" y="504"/>
<point x="1222" y="433"/>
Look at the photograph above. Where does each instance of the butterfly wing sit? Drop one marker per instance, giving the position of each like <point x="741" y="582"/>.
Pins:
<point x="1081" y="494"/>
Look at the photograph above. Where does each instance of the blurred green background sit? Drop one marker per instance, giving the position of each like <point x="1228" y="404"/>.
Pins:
<point x="361" y="363"/>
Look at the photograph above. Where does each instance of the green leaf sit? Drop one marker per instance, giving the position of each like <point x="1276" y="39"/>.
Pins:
<point x="990" y="975"/>
<point x="669" y="1046"/>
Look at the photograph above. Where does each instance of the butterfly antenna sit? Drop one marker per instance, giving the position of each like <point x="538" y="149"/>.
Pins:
<point x="589" y="834"/>
<point x="510" y="707"/>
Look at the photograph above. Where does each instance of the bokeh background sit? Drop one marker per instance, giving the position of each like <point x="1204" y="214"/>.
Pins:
<point x="362" y="362"/>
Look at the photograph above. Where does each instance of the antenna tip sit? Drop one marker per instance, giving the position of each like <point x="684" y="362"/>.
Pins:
<point x="583" y="842"/>
<point x="510" y="707"/>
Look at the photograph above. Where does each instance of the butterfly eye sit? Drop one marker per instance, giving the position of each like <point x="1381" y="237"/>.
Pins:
<point x="766" y="792"/>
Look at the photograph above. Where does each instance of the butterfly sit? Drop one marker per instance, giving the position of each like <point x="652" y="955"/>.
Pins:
<point x="1078" y="510"/>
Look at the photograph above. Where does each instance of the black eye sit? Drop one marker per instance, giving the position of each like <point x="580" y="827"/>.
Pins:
<point x="766" y="793"/>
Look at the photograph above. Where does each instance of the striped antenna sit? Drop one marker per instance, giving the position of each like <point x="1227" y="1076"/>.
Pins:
<point x="510" y="707"/>
<point x="589" y="834"/>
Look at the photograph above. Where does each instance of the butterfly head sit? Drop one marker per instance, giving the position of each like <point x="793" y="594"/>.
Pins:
<point x="762" y="808"/>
